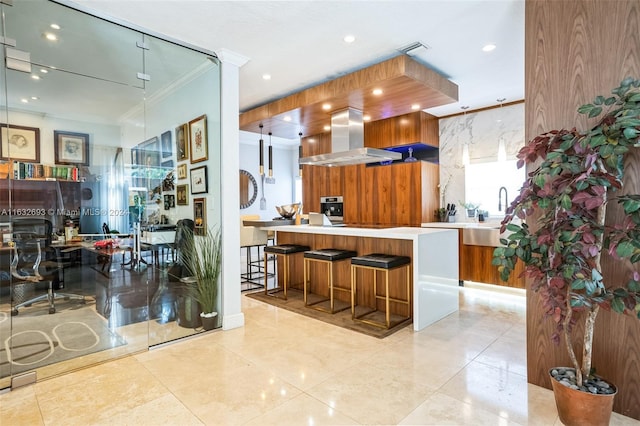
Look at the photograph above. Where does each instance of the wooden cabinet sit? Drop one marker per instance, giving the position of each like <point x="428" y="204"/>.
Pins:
<point x="397" y="194"/>
<point x="475" y="265"/>
<point x="403" y="130"/>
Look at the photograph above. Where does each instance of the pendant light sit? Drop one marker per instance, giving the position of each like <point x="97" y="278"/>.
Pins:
<point x="270" y="157"/>
<point x="300" y="155"/>
<point x="502" y="149"/>
<point x="261" y="152"/>
<point x="465" y="149"/>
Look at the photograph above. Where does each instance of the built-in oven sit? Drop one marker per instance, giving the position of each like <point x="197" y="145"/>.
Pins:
<point x="332" y="207"/>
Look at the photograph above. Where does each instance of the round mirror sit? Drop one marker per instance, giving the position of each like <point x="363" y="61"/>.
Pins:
<point x="248" y="189"/>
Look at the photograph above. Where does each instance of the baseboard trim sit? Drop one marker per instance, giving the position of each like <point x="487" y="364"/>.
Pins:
<point x="230" y="322"/>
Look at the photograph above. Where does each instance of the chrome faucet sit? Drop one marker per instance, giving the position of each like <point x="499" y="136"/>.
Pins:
<point x="506" y="199"/>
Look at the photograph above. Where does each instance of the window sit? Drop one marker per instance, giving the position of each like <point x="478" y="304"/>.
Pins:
<point x="484" y="180"/>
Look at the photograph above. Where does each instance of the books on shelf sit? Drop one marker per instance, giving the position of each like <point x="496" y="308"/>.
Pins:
<point x="21" y="170"/>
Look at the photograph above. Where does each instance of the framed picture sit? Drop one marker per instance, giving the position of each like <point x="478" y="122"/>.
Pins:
<point x="199" y="216"/>
<point x="71" y="148"/>
<point x="167" y="205"/>
<point x="150" y="152"/>
<point x="167" y="164"/>
<point x="199" y="180"/>
<point x="135" y="153"/>
<point x="20" y="143"/>
<point x="167" y="147"/>
<point x="182" y="171"/>
<point x="198" y="139"/>
<point x="182" y="142"/>
<point x="182" y="195"/>
<point x="172" y="201"/>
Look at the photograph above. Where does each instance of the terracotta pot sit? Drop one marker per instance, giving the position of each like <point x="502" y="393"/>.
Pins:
<point x="578" y="408"/>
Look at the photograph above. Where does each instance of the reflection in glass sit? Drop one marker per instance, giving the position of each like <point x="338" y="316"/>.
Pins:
<point x="410" y="158"/>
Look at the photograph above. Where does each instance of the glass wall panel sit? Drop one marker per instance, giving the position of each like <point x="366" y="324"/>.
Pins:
<point x="90" y="192"/>
<point x="183" y="92"/>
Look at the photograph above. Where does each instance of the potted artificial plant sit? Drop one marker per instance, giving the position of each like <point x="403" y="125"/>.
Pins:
<point x="202" y="258"/>
<point x="577" y="175"/>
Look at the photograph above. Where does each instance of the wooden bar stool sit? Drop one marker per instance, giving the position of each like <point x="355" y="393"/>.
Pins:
<point x="286" y="251"/>
<point x="329" y="257"/>
<point x="378" y="262"/>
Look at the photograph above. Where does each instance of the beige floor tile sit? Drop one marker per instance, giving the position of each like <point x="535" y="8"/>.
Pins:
<point x="232" y="398"/>
<point x="441" y="409"/>
<point x="506" y="354"/>
<point x="301" y="410"/>
<point x="371" y="395"/>
<point x="501" y="392"/>
<point x="20" y="407"/>
<point x="166" y="410"/>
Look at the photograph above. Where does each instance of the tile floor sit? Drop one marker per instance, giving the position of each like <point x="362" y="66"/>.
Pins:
<point x="285" y="369"/>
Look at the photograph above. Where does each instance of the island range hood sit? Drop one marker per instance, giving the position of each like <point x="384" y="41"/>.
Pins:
<point x="347" y="143"/>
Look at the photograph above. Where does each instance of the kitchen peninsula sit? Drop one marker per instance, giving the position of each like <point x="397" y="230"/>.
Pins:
<point x="434" y="255"/>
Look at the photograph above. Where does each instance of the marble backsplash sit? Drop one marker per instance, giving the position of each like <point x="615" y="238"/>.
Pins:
<point x="481" y="132"/>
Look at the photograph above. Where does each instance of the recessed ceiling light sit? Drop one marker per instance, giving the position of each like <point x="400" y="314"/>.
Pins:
<point x="287" y="118"/>
<point x="415" y="107"/>
<point x="51" y="36"/>
<point x="43" y="71"/>
<point x="326" y="107"/>
<point x="377" y="92"/>
<point x="488" y="47"/>
<point x="266" y="76"/>
<point x="35" y="98"/>
<point x="24" y="100"/>
<point x="366" y="117"/>
<point x="327" y="128"/>
<point x="349" y="38"/>
<point x="55" y="26"/>
<point x="35" y="77"/>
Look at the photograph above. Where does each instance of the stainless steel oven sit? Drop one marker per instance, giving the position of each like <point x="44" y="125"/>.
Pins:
<point x="332" y="207"/>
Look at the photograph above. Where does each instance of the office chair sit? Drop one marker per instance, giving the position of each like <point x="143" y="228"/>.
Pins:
<point x="33" y="261"/>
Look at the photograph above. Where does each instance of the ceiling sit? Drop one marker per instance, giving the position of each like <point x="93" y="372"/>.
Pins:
<point x="300" y="43"/>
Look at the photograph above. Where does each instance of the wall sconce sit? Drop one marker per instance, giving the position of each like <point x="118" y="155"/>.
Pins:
<point x="502" y="151"/>
<point x="465" y="155"/>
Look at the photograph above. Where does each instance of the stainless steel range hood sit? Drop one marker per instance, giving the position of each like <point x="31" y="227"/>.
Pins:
<point x="347" y="143"/>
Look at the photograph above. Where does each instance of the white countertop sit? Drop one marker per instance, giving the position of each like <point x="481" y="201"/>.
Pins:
<point x="399" y="233"/>
<point x="460" y="225"/>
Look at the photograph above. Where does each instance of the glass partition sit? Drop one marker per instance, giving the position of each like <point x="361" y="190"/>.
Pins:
<point x="89" y="191"/>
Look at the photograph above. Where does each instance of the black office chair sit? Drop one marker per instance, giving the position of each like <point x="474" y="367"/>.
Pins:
<point x="33" y="260"/>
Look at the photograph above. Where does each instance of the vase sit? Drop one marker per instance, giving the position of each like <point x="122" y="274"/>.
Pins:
<point x="579" y="408"/>
<point x="188" y="310"/>
<point x="209" y="320"/>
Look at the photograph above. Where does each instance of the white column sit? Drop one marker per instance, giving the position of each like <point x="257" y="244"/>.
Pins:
<point x="230" y="153"/>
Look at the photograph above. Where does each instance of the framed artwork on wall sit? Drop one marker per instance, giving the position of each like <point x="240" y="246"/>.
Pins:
<point x="199" y="180"/>
<point x="182" y="142"/>
<point x="182" y="171"/>
<point x="167" y="147"/>
<point x="182" y="195"/>
<point x="198" y="139"/>
<point x="71" y="148"/>
<point x="19" y="143"/>
<point x="199" y="216"/>
<point x="150" y="152"/>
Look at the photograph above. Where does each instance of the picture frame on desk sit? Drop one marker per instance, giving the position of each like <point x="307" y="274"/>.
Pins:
<point x="19" y="143"/>
<point x="198" y="143"/>
<point x="199" y="180"/>
<point x="71" y="148"/>
<point x="199" y="216"/>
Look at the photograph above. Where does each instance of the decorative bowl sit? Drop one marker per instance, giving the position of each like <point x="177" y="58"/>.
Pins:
<point x="288" y="211"/>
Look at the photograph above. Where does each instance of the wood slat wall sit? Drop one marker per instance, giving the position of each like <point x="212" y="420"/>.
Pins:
<point x="575" y="50"/>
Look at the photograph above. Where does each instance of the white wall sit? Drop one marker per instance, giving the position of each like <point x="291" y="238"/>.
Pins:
<point x="285" y="168"/>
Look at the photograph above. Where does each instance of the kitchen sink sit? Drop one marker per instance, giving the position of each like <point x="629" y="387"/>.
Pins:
<point x="482" y="235"/>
